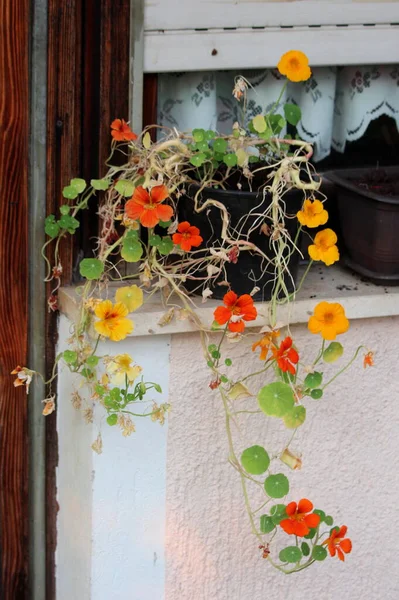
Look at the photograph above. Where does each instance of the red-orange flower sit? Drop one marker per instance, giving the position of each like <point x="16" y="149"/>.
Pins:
<point x="187" y="236"/>
<point x="300" y="518"/>
<point x="147" y="207"/>
<point x="265" y="344"/>
<point x="368" y="360"/>
<point x="338" y="544"/>
<point x="286" y="356"/>
<point x="236" y="311"/>
<point x="121" y="131"/>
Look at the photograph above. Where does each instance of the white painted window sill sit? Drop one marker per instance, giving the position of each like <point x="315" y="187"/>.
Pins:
<point x="361" y="299"/>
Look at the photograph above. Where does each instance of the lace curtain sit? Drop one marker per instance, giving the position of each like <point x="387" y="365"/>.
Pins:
<point x="337" y="103"/>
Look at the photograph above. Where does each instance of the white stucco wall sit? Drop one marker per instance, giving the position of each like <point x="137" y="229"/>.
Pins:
<point x="148" y="520"/>
<point x="350" y="446"/>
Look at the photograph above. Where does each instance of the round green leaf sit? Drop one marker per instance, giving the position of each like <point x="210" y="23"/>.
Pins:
<point x="319" y="553"/>
<point x="295" y="417"/>
<point x="124" y="187"/>
<point x="278" y="513"/>
<point x="112" y="419"/>
<point x="276" y="399"/>
<point x="70" y="356"/>
<point x="91" y="268"/>
<point x="210" y="135"/>
<point x="311" y="534"/>
<point x="199" y="135"/>
<point x="259" y="123"/>
<point x="255" y="460"/>
<point x="220" y="145"/>
<point x="328" y="520"/>
<point x="70" y="192"/>
<point x="69" y="223"/>
<point x="277" y="486"/>
<point x="51" y="227"/>
<point x="228" y="362"/>
<point x="154" y="240"/>
<point x="100" y="184"/>
<point x="266" y="524"/>
<point x="313" y="380"/>
<point x="292" y="113"/>
<point x="78" y="184"/>
<point x="291" y="554"/>
<point x="198" y="159"/>
<point x="132" y="250"/>
<point x="333" y="352"/>
<point x="305" y="549"/>
<point x="165" y="246"/>
<point x="65" y="209"/>
<point x="230" y="160"/>
<point x="321" y="514"/>
<point x="316" y="394"/>
<point x="202" y="146"/>
<point x="92" y="361"/>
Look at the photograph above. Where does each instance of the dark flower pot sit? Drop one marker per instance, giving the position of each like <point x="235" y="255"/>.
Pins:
<point x="369" y="220"/>
<point x="249" y="270"/>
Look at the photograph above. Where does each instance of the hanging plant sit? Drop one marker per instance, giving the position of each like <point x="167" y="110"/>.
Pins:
<point x="140" y="205"/>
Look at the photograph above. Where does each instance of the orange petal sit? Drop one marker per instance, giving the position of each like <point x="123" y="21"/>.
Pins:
<point x="177" y="238"/>
<point x="237" y="327"/>
<point x="305" y="506"/>
<point x="290" y="509"/>
<point x="222" y="315"/>
<point x="163" y="212"/>
<point x="196" y="240"/>
<point x="133" y="209"/>
<point x="116" y="124"/>
<point x="183" y="227"/>
<point x="300" y="528"/>
<point x="342" y="531"/>
<point x="230" y="298"/>
<point x="346" y="545"/>
<point x="250" y="313"/>
<point x="159" y="193"/>
<point x="312" y="520"/>
<point x="149" y="218"/>
<point x="288" y="525"/>
<point x="185" y="244"/>
<point x="141" y="196"/>
<point x="341" y="555"/>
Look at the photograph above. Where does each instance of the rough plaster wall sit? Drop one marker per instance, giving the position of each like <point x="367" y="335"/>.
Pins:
<point x="350" y="445"/>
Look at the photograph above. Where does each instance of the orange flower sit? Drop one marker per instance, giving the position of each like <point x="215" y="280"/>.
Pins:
<point x="147" y="207"/>
<point x="121" y="131"/>
<point x="312" y="214"/>
<point x="295" y="66"/>
<point x="324" y="247"/>
<point x="329" y="320"/>
<point x="286" y="356"/>
<point x="368" y="360"/>
<point x="299" y="520"/>
<point x="187" y="236"/>
<point x="337" y="543"/>
<point x="265" y="344"/>
<point x="236" y="311"/>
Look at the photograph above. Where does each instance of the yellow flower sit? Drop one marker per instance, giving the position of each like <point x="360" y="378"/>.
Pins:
<point x="132" y="297"/>
<point x="324" y="247"/>
<point x="329" y="320"/>
<point x="113" y="323"/>
<point x="312" y="214"/>
<point x="122" y="366"/>
<point x="295" y="66"/>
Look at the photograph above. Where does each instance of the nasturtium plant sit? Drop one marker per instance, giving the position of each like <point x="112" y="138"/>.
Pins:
<point x="276" y="399"/>
<point x="277" y="486"/>
<point x="91" y="268"/>
<point x="160" y="211"/>
<point x="255" y="460"/>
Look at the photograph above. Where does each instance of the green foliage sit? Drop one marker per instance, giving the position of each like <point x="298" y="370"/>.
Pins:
<point x="132" y="249"/>
<point x="51" y="226"/>
<point x="92" y="361"/>
<point x="276" y="399"/>
<point x="333" y="352"/>
<point x="277" y="486"/>
<point x="91" y="268"/>
<point x="230" y="160"/>
<point x="255" y="460"/>
<point x="316" y="394"/>
<point x="313" y="380"/>
<point x="295" y="417"/>
<point x="305" y="548"/>
<point x="198" y="159"/>
<point x="220" y="145"/>
<point x="278" y="513"/>
<point x="112" y="419"/>
<point x="266" y="524"/>
<point x="70" y="357"/>
<point x="291" y="554"/>
<point x="69" y="223"/>
<point x="125" y="187"/>
<point x="100" y="184"/>
<point x="319" y="553"/>
<point x="292" y="114"/>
